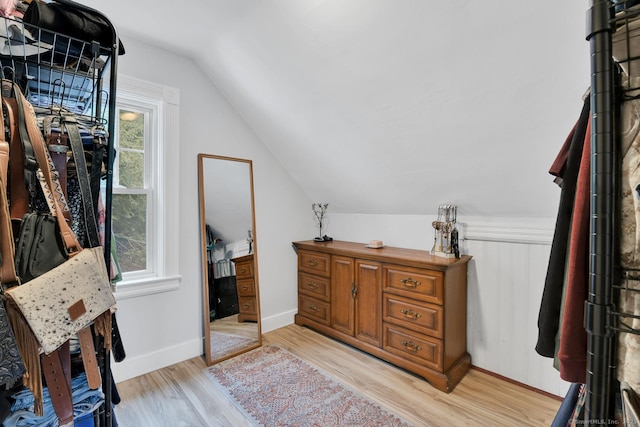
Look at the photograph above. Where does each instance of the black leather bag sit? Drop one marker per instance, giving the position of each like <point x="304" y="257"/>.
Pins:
<point x="39" y="247"/>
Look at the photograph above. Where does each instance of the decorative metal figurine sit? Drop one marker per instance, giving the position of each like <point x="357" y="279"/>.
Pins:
<point x="320" y="211"/>
<point x="445" y="241"/>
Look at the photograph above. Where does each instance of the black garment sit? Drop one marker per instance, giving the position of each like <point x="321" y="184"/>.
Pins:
<point x="549" y="314"/>
<point x="5" y="402"/>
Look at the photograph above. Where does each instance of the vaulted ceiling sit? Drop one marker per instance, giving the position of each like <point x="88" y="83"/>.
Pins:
<point x="391" y="106"/>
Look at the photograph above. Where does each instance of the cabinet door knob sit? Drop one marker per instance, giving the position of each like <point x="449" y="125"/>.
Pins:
<point x="409" y="282"/>
<point x="411" y="346"/>
<point x="354" y="290"/>
<point x="411" y="314"/>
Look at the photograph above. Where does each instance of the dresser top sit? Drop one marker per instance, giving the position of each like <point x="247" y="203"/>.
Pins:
<point x="414" y="257"/>
<point x="243" y="258"/>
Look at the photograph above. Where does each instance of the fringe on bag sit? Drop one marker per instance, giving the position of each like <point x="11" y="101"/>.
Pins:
<point x="30" y="352"/>
<point x="102" y="326"/>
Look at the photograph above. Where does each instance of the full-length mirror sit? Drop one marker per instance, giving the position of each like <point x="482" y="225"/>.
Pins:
<point x="229" y="257"/>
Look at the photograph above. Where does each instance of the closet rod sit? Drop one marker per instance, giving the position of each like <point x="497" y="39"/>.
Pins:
<point x="597" y="309"/>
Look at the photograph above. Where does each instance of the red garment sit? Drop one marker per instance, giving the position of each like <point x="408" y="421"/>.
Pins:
<point x="572" y="352"/>
<point x="560" y="162"/>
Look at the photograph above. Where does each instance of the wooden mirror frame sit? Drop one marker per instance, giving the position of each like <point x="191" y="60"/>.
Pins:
<point x="202" y="157"/>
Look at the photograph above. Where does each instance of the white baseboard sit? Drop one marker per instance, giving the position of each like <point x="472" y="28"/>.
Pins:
<point x="278" y="321"/>
<point x="140" y="365"/>
<point x="133" y="367"/>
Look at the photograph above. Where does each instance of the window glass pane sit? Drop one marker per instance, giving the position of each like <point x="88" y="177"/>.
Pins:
<point x="131" y="168"/>
<point x="129" y="224"/>
<point x="131" y="132"/>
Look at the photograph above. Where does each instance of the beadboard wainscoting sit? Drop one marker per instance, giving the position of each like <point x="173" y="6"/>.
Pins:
<point x="505" y="282"/>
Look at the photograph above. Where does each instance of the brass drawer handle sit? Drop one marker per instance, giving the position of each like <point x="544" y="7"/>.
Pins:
<point x="243" y="270"/>
<point x="245" y="287"/>
<point x="246" y="305"/>
<point x="313" y="285"/>
<point x="411" y="346"/>
<point x="313" y="262"/>
<point x="409" y="282"/>
<point x="411" y="314"/>
<point x="313" y="308"/>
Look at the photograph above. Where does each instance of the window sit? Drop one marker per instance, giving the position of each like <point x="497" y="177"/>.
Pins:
<point x="145" y="143"/>
<point x="133" y="188"/>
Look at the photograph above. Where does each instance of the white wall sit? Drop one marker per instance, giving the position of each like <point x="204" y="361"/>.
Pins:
<point x="165" y="328"/>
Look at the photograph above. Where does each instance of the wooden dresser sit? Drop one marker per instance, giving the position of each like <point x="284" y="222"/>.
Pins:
<point x="404" y="306"/>
<point x="246" y="286"/>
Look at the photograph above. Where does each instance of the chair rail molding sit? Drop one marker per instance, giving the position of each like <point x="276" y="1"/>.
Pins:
<point x="537" y="231"/>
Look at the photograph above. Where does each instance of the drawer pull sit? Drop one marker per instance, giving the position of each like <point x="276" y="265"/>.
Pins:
<point x="313" y="262"/>
<point x="411" y="346"/>
<point x="313" y="308"/>
<point x="411" y="314"/>
<point x="243" y="270"/>
<point x="246" y="305"/>
<point x="313" y="285"/>
<point x="245" y="287"/>
<point x="409" y="282"/>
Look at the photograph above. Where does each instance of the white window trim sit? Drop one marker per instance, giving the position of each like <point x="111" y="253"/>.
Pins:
<point x="152" y="152"/>
<point x="166" y="277"/>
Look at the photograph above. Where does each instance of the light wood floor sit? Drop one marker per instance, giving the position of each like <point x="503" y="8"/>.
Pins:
<point x="230" y="325"/>
<point x="182" y="395"/>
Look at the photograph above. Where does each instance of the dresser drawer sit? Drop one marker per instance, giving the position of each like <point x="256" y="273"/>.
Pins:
<point x="247" y="305"/>
<point x="314" y="262"/>
<point x="314" y="309"/>
<point x="417" y="283"/>
<point x="315" y="286"/>
<point x="412" y="346"/>
<point x="246" y="287"/>
<point x="244" y="269"/>
<point x="420" y="317"/>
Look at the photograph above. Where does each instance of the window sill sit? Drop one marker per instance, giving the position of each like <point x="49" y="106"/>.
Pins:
<point x="148" y="286"/>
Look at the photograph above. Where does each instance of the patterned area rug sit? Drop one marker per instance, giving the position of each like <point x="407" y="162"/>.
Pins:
<point x="276" y="388"/>
<point x="223" y="344"/>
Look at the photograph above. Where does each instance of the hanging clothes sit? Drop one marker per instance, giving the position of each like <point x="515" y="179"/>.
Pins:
<point x="572" y="347"/>
<point x="566" y="167"/>
<point x="223" y="268"/>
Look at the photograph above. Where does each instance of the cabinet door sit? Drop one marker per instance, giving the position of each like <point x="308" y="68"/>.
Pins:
<point x="368" y="304"/>
<point x="342" y="288"/>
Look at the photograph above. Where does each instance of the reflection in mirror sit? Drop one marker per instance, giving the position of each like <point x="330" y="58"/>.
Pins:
<point x="229" y="258"/>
